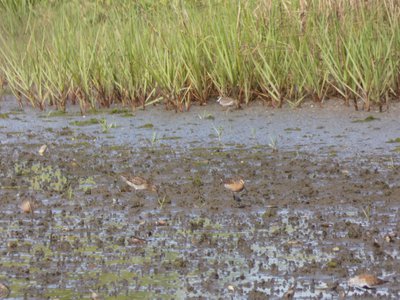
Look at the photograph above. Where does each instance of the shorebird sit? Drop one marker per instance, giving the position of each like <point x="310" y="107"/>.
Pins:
<point x="289" y="294"/>
<point x="139" y="183"/>
<point x="95" y="296"/>
<point x="137" y="240"/>
<point x="42" y="150"/>
<point x="27" y="207"/>
<point x="366" y="281"/>
<point x="227" y="102"/>
<point x="235" y="186"/>
<point x="4" y="291"/>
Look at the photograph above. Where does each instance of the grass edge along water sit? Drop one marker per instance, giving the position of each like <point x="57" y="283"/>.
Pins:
<point x="137" y="53"/>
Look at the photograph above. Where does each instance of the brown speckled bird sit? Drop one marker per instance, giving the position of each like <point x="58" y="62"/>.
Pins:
<point x="4" y="291"/>
<point x="289" y="294"/>
<point x="366" y="281"/>
<point x="139" y="183"/>
<point x="27" y="207"/>
<point x="235" y="186"/>
<point x="228" y="102"/>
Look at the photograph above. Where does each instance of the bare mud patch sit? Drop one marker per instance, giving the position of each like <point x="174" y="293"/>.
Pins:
<point x="304" y="220"/>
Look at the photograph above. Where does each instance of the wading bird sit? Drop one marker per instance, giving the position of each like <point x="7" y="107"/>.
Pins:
<point x="4" y="291"/>
<point x="366" y="281"/>
<point x="27" y="207"/>
<point x="139" y="183"/>
<point x="227" y="102"/>
<point x="235" y="186"/>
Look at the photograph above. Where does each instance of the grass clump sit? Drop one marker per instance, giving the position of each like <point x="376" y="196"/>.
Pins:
<point x="367" y="119"/>
<point x="396" y="140"/>
<point x="88" y="122"/>
<point x="118" y="111"/>
<point x="56" y="113"/>
<point x="105" y="126"/>
<point x="147" y="126"/>
<point x="292" y="129"/>
<point x="138" y="53"/>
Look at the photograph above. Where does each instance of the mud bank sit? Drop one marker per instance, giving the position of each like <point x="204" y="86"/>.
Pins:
<point x="320" y="206"/>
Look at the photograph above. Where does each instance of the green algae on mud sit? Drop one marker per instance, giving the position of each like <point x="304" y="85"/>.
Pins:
<point x="122" y="111"/>
<point x="147" y="126"/>
<point x="396" y="140"/>
<point x="55" y="113"/>
<point x="367" y="119"/>
<point x="40" y="176"/>
<point x="88" y="122"/>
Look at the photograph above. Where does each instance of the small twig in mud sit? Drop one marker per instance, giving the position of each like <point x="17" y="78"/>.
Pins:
<point x="218" y="130"/>
<point x="154" y="139"/>
<point x="206" y="116"/>
<point x="161" y="201"/>
<point x="367" y="212"/>
<point x="273" y="144"/>
<point x="392" y="164"/>
<point x="253" y="133"/>
<point x="69" y="193"/>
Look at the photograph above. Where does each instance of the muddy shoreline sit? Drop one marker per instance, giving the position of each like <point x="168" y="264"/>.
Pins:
<point x="319" y="204"/>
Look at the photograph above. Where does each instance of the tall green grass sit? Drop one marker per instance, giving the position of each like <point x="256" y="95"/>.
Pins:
<point x="96" y="53"/>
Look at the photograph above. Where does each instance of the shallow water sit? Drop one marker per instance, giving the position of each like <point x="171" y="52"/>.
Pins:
<point x="316" y="211"/>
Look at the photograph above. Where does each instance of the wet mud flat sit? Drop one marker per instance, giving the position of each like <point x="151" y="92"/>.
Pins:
<point x="308" y="219"/>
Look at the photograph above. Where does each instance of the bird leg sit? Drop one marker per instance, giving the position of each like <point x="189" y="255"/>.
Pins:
<point x="236" y="198"/>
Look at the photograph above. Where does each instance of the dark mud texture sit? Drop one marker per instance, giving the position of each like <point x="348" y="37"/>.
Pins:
<point x="306" y="220"/>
